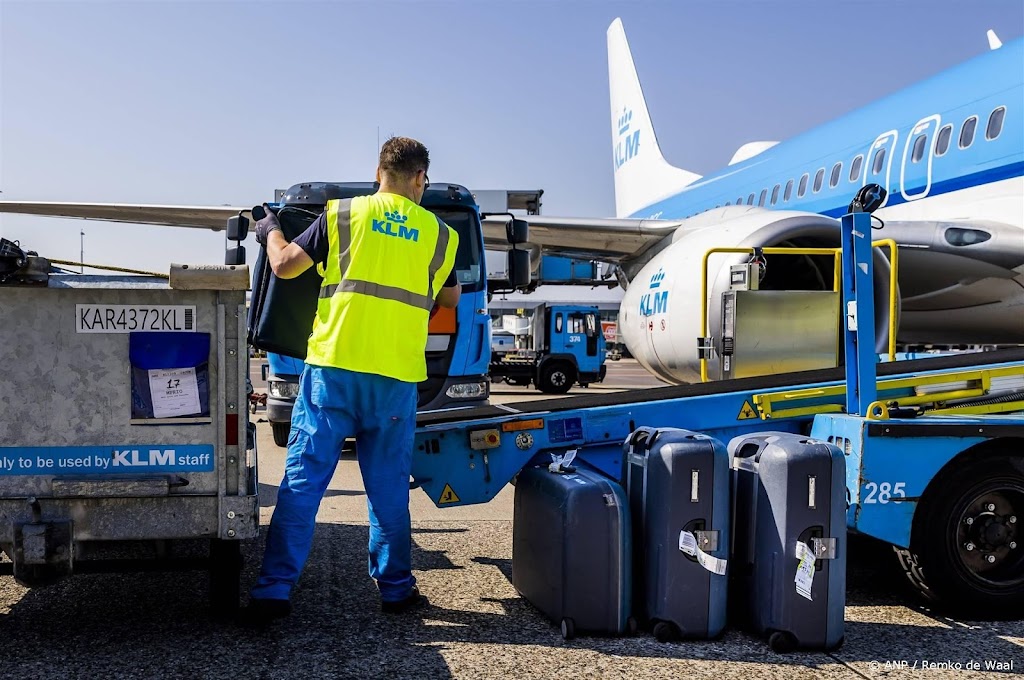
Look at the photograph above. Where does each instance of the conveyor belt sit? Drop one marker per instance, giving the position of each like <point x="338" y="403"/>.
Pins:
<point x="768" y="382"/>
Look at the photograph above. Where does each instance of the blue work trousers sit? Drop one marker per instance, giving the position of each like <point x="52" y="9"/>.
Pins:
<point x="380" y="413"/>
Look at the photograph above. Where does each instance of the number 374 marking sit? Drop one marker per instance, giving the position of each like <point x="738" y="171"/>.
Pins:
<point x="884" y="492"/>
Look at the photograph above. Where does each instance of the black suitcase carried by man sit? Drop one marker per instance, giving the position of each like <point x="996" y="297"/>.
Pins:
<point x="677" y="482"/>
<point x="788" y="567"/>
<point x="281" y="311"/>
<point x="571" y="549"/>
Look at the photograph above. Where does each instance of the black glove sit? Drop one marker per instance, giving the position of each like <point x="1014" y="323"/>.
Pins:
<point x="268" y="224"/>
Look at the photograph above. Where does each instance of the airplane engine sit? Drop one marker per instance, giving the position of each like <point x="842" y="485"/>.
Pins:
<point x="660" y="317"/>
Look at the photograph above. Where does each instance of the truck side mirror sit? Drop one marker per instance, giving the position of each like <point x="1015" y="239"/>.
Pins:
<point x="235" y="255"/>
<point x="518" y="269"/>
<point x="238" y="228"/>
<point x="517" y="231"/>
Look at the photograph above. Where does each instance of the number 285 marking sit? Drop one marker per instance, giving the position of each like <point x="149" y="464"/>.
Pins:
<point x="884" y="492"/>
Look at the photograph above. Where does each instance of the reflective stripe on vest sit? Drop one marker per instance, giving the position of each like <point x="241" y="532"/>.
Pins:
<point x="378" y="290"/>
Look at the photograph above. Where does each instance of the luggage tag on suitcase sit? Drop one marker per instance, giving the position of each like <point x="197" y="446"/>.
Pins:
<point x="560" y="464"/>
<point x="689" y="544"/>
<point x="804" y="570"/>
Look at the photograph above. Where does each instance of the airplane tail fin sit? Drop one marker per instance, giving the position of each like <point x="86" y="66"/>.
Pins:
<point x="642" y="175"/>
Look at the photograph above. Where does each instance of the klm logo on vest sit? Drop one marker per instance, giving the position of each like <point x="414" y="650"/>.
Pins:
<point x="655" y="301"/>
<point x="628" y="144"/>
<point x="393" y="224"/>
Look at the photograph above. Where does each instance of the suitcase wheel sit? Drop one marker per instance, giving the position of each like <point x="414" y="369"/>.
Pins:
<point x="568" y="629"/>
<point x="631" y="626"/>
<point x="665" y="631"/>
<point x="782" y="642"/>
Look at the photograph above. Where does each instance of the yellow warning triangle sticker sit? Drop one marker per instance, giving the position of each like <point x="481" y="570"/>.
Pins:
<point x="747" y="412"/>
<point x="448" y="496"/>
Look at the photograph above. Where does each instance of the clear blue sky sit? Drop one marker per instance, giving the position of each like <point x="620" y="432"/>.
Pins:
<point x="214" y="103"/>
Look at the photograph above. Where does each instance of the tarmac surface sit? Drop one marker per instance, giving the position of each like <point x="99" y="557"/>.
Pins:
<point x="476" y="625"/>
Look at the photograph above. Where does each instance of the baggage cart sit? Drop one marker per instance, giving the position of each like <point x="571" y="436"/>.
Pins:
<point x="124" y="421"/>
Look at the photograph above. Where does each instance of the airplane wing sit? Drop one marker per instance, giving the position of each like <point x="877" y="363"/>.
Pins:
<point x="200" y="217"/>
<point x="595" y="238"/>
<point x="605" y="239"/>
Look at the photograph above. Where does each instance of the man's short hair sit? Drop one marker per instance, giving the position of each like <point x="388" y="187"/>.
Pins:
<point x="402" y="157"/>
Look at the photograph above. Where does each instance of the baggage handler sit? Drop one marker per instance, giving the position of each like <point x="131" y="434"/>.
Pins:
<point x="385" y="262"/>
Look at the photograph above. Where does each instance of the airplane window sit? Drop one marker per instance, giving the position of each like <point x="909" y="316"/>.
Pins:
<point x="802" y="189"/>
<point x="967" y="132"/>
<point x="775" y="194"/>
<point x="789" y="191"/>
<point x="919" y="145"/>
<point x="837" y="169"/>
<point x="995" y="123"/>
<point x="750" y="199"/>
<point x="876" y="167"/>
<point x="855" y="168"/>
<point x="942" y="140"/>
<point x="739" y="201"/>
<point x="764" y="192"/>
<point x="818" y="178"/>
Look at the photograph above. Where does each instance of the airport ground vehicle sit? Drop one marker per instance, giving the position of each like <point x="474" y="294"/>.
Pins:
<point x="934" y="446"/>
<point x="458" y="345"/>
<point x="555" y="348"/>
<point x="124" y="425"/>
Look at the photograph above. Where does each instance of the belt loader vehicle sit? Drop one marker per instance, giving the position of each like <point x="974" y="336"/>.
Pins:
<point x="933" y="447"/>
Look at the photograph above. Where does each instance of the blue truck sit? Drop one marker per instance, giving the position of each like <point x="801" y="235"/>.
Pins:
<point x="459" y="340"/>
<point x="556" y="348"/>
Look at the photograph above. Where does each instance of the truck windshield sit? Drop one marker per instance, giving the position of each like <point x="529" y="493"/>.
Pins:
<point x="468" y="257"/>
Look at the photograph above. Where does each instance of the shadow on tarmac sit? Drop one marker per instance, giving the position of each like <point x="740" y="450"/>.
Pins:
<point x="159" y="625"/>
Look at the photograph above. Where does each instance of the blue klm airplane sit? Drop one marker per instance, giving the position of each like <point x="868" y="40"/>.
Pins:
<point x="949" y="150"/>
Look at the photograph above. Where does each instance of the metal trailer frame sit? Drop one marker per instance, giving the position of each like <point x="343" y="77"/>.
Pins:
<point x="468" y="457"/>
<point x="66" y="398"/>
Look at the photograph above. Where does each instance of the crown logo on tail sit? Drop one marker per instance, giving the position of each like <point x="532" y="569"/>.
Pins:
<point x="624" y="120"/>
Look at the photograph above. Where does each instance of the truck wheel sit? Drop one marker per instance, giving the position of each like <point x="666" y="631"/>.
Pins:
<point x="557" y="378"/>
<point x="967" y="547"/>
<point x="225" y="576"/>
<point x="281" y="432"/>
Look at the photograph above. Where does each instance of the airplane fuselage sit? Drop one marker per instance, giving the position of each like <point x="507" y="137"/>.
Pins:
<point x="914" y="143"/>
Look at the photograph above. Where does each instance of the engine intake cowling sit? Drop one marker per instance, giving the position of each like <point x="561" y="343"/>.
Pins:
<point x="660" y="317"/>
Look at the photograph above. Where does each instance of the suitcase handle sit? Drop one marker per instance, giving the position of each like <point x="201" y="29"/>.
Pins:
<point x="751" y="449"/>
<point x="642" y="436"/>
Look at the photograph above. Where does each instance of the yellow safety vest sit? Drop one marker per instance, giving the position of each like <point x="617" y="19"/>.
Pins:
<point x="387" y="262"/>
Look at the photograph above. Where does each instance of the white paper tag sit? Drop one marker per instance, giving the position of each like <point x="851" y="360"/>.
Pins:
<point x="175" y="392"/>
<point x="559" y="463"/>
<point x="804" y="569"/>
<point x="688" y="544"/>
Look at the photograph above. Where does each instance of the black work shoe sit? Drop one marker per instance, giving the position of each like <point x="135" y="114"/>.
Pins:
<point x="399" y="606"/>
<point x="261" y="612"/>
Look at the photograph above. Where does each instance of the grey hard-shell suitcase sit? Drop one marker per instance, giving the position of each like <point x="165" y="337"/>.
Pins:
<point x="677" y="482"/>
<point x="788" y="567"/>
<point x="571" y="549"/>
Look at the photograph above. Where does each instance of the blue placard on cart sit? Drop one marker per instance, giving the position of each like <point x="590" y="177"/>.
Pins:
<point x="105" y="460"/>
<point x="170" y="375"/>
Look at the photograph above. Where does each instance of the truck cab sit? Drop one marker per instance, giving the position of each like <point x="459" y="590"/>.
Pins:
<point x="561" y="345"/>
